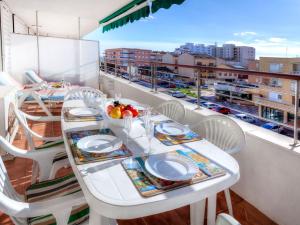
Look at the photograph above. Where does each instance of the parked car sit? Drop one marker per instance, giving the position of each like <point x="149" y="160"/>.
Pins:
<point x="180" y="84"/>
<point x="209" y="105"/>
<point x="221" y="109"/>
<point x="273" y="127"/>
<point x="195" y="101"/>
<point x="204" y="86"/>
<point x="246" y="118"/>
<point x="178" y="94"/>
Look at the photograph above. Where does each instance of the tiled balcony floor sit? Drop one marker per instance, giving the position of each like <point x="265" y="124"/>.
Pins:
<point x="20" y="174"/>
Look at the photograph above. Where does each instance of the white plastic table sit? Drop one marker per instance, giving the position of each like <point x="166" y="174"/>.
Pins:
<point x="111" y="195"/>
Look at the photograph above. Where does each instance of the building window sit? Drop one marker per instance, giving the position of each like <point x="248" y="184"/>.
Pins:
<point x="272" y="114"/>
<point x="275" y="67"/>
<point x="273" y="96"/>
<point x="275" y="82"/>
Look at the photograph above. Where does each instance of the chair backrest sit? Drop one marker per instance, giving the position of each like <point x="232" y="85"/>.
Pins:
<point x="32" y="77"/>
<point x="222" y="132"/>
<point x="8" y="80"/>
<point x="23" y="122"/>
<point x="172" y="109"/>
<point x="90" y="95"/>
<point x="8" y="195"/>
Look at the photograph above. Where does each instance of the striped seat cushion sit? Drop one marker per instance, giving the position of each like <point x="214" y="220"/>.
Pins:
<point x="49" y="144"/>
<point x="54" y="189"/>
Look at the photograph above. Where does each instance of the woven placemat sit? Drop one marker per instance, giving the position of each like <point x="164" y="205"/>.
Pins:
<point x="148" y="185"/>
<point x="71" y="118"/>
<point x="82" y="157"/>
<point x="170" y="140"/>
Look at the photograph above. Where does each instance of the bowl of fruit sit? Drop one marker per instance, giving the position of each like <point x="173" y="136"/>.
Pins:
<point x="116" y="111"/>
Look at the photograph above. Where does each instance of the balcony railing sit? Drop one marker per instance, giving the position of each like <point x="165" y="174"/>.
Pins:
<point x="240" y="96"/>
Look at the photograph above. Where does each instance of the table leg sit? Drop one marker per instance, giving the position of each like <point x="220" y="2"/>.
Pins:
<point x="197" y="211"/>
<point x="97" y="219"/>
<point x="211" y="209"/>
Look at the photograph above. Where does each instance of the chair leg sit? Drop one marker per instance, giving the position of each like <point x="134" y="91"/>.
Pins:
<point x="58" y="165"/>
<point x="228" y="201"/>
<point x="35" y="171"/>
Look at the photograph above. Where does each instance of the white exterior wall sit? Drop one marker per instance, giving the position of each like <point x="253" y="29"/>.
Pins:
<point x="244" y="54"/>
<point x="228" y="51"/>
<point x="269" y="167"/>
<point x="7" y="30"/>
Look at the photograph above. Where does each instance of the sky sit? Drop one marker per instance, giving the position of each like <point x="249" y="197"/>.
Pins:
<point x="272" y="27"/>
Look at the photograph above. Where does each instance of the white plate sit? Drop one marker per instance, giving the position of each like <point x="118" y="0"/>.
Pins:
<point x="99" y="143"/>
<point x="84" y="112"/>
<point x="171" y="167"/>
<point x="172" y="129"/>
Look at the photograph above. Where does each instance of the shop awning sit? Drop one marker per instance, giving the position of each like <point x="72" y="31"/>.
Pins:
<point x="135" y="10"/>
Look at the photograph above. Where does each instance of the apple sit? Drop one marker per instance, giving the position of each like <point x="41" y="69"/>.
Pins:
<point x="134" y="112"/>
<point x="126" y="113"/>
<point x="109" y="108"/>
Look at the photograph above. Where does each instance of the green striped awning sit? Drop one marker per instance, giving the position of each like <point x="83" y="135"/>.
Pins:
<point x="142" y="12"/>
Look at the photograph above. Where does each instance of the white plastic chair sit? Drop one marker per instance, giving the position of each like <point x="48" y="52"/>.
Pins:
<point x="172" y="109"/>
<point x="30" y="92"/>
<point x="224" y="133"/>
<point x="91" y="97"/>
<point x="83" y="93"/>
<point x="58" y="160"/>
<point x="44" y="158"/>
<point x="225" y="219"/>
<point x="27" y="210"/>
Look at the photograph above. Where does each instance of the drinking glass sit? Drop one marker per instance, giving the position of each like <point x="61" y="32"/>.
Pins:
<point x="146" y="115"/>
<point x="127" y="125"/>
<point x="149" y="127"/>
<point x="118" y="96"/>
<point x="103" y="101"/>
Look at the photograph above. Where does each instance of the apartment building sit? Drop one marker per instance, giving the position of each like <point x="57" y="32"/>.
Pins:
<point x="230" y="76"/>
<point x="239" y="54"/>
<point x="195" y="59"/>
<point x="171" y="58"/>
<point x="275" y="97"/>
<point x="122" y="55"/>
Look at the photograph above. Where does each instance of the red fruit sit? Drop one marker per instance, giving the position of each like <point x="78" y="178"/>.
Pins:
<point x="109" y="108"/>
<point x="134" y="111"/>
<point x="127" y="113"/>
<point x="128" y="107"/>
<point x="122" y="107"/>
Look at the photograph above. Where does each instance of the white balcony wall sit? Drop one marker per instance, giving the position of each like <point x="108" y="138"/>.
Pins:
<point x="76" y="61"/>
<point x="269" y="166"/>
<point x="10" y="24"/>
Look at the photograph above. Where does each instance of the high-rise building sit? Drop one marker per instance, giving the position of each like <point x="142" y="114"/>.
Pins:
<point x="244" y="54"/>
<point x="234" y="54"/>
<point x="228" y="51"/>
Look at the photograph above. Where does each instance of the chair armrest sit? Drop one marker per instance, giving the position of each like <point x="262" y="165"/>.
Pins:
<point x="42" y="118"/>
<point x="53" y="206"/>
<point x="46" y="153"/>
<point x="225" y="219"/>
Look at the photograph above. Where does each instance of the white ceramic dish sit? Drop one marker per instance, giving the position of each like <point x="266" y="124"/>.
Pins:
<point x="171" y="167"/>
<point x="84" y="112"/>
<point x="99" y="143"/>
<point x="116" y="122"/>
<point x="172" y="129"/>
